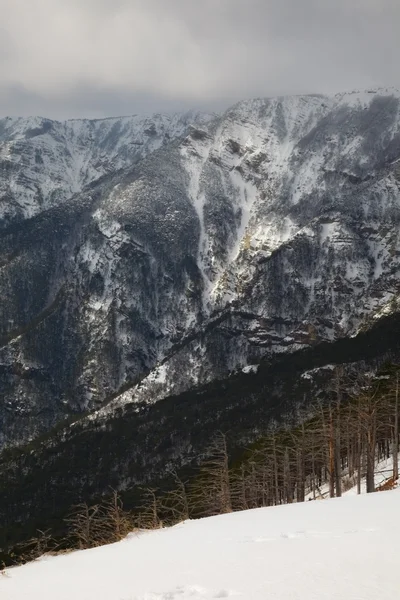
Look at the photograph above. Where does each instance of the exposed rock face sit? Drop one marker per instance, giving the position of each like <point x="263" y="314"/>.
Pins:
<point x="174" y="251"/>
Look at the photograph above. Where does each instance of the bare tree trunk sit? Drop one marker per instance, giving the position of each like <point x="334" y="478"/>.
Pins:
<point x="253" y="485"/>
<point x="370" y="450"/>
<point x="226" y="504"/>
<point x="300" y="467"/>
<point x="337" y="438"/>
<point x="243" y="496"/>
<point x="313" y="482"/>
<point x="338" y="456"/>
<point x="331" y="455"/>
<point x="359" y="459"/>
<point x="350" y="452"/>
<point x="275" y="467"/>
<point x="370" y="471"/>
<point x="395" y="449"/>
<point x="286" y="478"/>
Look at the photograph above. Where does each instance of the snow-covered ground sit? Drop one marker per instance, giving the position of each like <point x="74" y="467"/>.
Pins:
<point x="341" y="549"/>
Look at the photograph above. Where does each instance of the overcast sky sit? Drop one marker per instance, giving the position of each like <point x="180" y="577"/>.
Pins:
<point x="66" y="58"/>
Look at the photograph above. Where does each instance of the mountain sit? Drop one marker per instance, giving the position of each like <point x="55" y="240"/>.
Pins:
<point x="47" y="172"/>
<point x="43" y="162"/>
<point x="168" y="277"/>
<point x="143" y="257"/>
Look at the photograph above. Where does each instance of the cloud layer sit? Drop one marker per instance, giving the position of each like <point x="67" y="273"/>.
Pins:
<point x="67" y="58"/>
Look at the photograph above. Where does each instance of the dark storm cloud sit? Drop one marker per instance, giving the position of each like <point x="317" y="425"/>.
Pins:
<point x="98" y="57"/>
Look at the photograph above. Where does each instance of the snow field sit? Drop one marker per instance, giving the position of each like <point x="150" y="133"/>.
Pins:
<point x="341" y="549"/>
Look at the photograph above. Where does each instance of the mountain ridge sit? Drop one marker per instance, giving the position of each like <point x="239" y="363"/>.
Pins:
<point x="263" y="230"/>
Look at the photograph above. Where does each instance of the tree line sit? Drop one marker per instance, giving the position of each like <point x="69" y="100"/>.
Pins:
<point x="336" y="445"/>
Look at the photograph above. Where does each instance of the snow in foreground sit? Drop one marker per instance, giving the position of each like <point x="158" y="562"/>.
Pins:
<point x="346" y="548"/>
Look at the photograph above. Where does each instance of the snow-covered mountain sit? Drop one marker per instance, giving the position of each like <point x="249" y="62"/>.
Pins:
<point x="142" y="257"/>
<point x="297" y="204"/>
<point x="45" y="162"/>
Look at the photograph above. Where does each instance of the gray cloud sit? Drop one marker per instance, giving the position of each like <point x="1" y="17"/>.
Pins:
<point x="66" y="58"/>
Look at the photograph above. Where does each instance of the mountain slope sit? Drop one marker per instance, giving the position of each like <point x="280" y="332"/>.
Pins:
<point x="210" y="245"/>
<point x="137" y="445"/>
<point x="297" y="202"/>
<point x="45" y="162"/>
